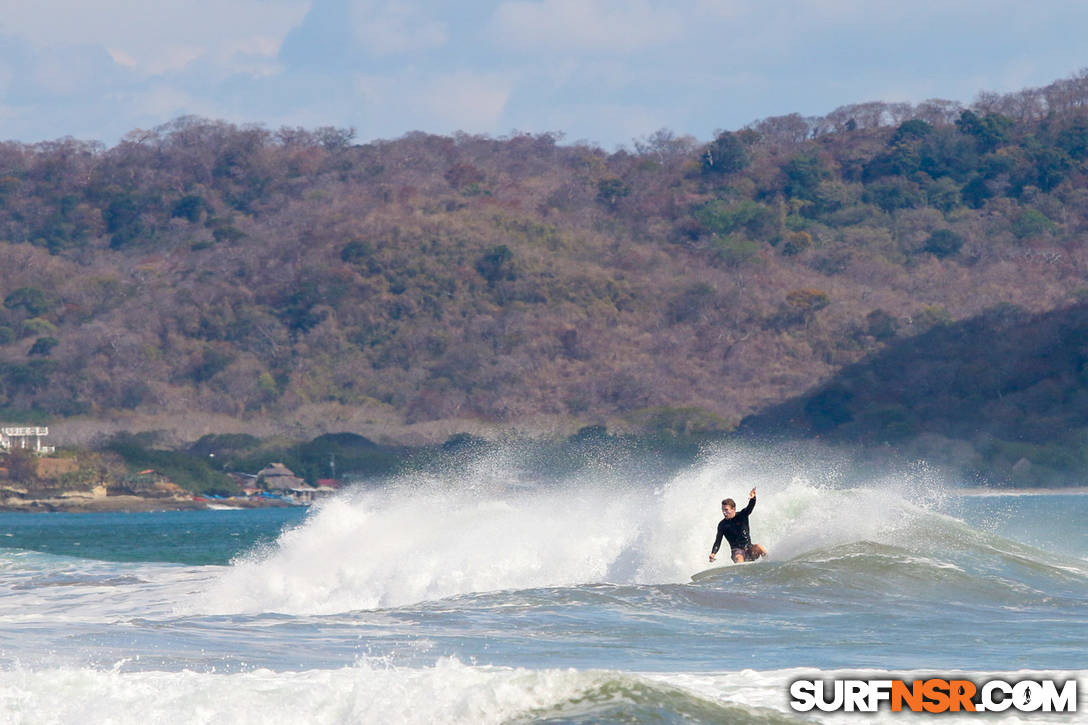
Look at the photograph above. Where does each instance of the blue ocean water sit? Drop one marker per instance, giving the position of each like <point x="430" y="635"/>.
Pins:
<point x="485" y="594"/>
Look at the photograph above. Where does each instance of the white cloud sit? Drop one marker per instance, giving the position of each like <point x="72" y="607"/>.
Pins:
<point x="387" y="27"/>
<point x="167" y="102"/>
<point x="122" y="58"/>
<point x="167" y="58"/>
<point x="441" y="103"/>
<point x="151" y="38"/>
<point x="584" y="25"/>
<point x="469" y="100"/>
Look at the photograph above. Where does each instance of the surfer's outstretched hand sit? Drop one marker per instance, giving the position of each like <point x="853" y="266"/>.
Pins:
<point x="752" y="494"/>
<point x="712" y="557"/>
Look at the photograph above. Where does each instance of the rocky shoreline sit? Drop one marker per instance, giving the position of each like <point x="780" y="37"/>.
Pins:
<point x="134" y="504"/>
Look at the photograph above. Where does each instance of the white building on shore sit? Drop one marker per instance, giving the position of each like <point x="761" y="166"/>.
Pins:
<point x="24" y="438"/>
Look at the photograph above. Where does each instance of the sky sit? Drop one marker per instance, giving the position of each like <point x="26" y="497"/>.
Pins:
<point x="607" y="72"/>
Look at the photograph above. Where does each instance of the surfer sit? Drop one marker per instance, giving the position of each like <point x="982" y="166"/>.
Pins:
<point x="734" y="527"/>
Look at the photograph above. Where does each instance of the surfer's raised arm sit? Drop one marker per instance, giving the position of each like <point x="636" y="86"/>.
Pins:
<point x="751" y="503"/>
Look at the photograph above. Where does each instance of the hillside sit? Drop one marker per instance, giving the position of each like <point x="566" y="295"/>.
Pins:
<point x="202" y="277"/>
<point x="1002" y="397"/>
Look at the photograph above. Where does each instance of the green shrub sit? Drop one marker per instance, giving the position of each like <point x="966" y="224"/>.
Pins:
<point x="718" y="217"/>
<point x="43" y="346"/>
<point x="894" y="193"/>
<point x="191" y="207"/>
<point x="733" y="251"/>
<point x="1031" y="223"/>
<point x="943" y="243"/>
<point x="881" y="325"/>
<point x="497" y="264"/>
<point x="355" y="252"/>
<point x="31" y="300"/>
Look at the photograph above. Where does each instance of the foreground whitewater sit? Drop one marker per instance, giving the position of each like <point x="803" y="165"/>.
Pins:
<point x="487" y="595"/>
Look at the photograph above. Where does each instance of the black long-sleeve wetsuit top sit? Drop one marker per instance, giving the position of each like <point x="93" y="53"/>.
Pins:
<point x="735" y="530"/>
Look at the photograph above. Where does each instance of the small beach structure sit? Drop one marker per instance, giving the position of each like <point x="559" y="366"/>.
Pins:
<point x="278" y="479"/>
<point x="24" y="438"/>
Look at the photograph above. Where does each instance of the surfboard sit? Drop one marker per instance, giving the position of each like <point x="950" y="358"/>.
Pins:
<point x="712" y="571"/>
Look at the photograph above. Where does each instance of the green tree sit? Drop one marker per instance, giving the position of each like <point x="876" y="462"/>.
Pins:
<point x="1031" y="223"/>
<point x="989" y="131"/>
<point x="913" y="130"/>
<point x="894" y="193"/>
<point x="191" y="207"/>
<point x="227" y="233"/>
<point x="212" y="362"/>
<point x="610" y="190"/>
<point x="497" y="264"/>
<point x="734" y="250"/>
<point x="355" y="252"/>
<point x="43" y="346"/>
<point x="727" y="154"/>
<point x="31" y="299"/>
<point x="1050" y="166"/>
<point x="943" y="194"/>
<point x="124" y="219"/>
<point x="975" y="192"/>
<point x="881" y="324"/>
<point x="1073" y="139"/>
<point x="802" y="175"/>
<point x="904" y="155"/>
<point x="719" y="217"/>
<point x="943" y="243"/>
<point x="902" y="159"/>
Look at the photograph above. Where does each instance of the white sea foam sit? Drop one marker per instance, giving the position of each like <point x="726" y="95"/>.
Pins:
<point x="485" y="529"/>
<point x="449" y="692"/>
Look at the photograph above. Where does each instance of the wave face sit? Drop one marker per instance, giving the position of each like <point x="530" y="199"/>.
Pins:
<point x="487" y="529"/>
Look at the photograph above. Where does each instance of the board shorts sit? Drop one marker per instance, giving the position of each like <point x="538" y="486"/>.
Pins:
<point x="749" y="554"/>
